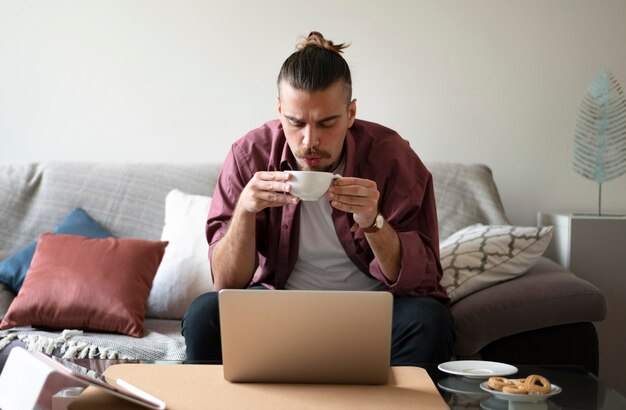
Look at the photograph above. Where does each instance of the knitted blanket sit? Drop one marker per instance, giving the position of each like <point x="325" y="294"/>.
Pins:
<point x="161" y="341"/>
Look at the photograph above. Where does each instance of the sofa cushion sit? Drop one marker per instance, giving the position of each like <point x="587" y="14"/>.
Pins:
<point x="548" y="295"/>
<point x="184" y="273"/>
<point x="78" y="222"/>
<point x="78" y="282"/>
<point x="480" y="256"/>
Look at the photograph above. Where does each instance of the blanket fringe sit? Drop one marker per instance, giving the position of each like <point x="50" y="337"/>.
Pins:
<point x="70" y="349"/>
<point x="4" y="342"/>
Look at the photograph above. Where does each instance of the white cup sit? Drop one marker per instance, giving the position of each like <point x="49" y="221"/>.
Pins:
<point x="310" y="185"/>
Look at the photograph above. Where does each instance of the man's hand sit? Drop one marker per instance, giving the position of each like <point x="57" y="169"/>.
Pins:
<point x="358" y="196"/>
<point x="265" y="190"/>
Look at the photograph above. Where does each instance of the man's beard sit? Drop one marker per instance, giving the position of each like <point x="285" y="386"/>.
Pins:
<point x="313" y="151"/>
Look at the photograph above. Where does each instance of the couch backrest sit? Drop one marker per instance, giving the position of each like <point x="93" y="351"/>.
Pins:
<point x="128" y="198"/>
<point x="465" y="195"/>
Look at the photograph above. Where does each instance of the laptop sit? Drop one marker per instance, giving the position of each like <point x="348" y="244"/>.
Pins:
<point x="306" y="336"/>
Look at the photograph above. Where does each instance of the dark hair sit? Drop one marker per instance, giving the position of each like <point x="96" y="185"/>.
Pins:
<point x="316" y="65"/>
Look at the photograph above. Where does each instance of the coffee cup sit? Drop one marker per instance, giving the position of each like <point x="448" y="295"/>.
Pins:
<point x="310" y="185"/>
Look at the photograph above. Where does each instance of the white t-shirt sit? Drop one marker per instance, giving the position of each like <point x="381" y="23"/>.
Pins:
<point x="322" y="263"/>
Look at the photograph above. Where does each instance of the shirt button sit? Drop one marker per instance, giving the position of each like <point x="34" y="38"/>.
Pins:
<point x="285" y="226"/>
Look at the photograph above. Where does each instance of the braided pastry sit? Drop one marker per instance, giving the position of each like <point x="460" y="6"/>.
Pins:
<point x="533" y="384"/>
<point x="536" y="384"/>
<point x="497" y="383"/>
<point x="520" y="382"/>
<point x="515" y="389"/>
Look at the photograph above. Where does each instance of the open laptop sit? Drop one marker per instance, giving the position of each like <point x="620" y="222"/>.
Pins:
<point x="302" y="336"/>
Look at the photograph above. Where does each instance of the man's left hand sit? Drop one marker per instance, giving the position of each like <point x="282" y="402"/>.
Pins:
<point x="358" y="196"/>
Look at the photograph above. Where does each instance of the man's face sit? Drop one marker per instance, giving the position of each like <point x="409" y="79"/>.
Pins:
<point x="315" y="124"/>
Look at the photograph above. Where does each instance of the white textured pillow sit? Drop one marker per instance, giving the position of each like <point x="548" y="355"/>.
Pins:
<point x="184" y="272"/>
<point x="480" y="256"/>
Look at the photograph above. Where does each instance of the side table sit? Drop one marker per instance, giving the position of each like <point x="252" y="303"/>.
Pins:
<point x="593" y="248"/>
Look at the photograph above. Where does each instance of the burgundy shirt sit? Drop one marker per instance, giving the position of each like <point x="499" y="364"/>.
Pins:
<point x="371" y="151"/>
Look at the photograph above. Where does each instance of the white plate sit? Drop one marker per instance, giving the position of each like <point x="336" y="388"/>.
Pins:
<point x="461" y="385"/>
<point x="527" y="398"/>
<point x="477" y="369"/>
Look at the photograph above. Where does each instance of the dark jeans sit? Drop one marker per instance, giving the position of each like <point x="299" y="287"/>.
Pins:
<point x="422" y="330"/>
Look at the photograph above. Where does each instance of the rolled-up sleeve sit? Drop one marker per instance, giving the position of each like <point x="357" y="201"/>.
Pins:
<point x="415" y="222"/>
<point x="228" y="188"/>
<point x="419" y="272"/>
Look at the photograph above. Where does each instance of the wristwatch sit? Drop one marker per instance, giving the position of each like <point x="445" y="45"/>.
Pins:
<point x="377" y="226"/>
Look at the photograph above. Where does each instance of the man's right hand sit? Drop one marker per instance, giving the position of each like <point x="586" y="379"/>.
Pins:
<point x="266" y="189"/>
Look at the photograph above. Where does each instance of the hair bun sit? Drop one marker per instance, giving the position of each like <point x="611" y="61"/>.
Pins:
<point x="316" y="39"/>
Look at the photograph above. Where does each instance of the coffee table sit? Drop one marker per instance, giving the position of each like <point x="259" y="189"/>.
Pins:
<point x="580" y="389"/>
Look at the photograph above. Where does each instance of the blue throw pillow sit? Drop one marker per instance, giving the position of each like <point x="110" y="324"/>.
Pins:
<point x="78" y="222"/>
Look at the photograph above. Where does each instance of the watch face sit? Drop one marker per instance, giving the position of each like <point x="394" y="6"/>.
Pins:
<point x="379" y="221"/>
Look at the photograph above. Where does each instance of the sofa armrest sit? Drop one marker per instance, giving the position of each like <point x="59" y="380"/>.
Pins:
<point x="547" y="295"/>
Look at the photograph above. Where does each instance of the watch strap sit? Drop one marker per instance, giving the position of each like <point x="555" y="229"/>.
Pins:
<point x="370" y="229"/>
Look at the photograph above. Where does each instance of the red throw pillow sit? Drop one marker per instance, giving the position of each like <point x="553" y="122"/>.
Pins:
<point x="92" y="284"/>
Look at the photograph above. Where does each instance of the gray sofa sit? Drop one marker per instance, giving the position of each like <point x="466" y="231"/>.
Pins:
<point x="544" y="316"/>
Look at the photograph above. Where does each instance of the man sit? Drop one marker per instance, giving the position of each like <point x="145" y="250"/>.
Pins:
<point x="376" y="229"/>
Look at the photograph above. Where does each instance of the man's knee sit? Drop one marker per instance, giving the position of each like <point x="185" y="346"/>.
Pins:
<point x="423" y="331"/>
<point x="425" y="316"/>
<point x="203" y="311"/>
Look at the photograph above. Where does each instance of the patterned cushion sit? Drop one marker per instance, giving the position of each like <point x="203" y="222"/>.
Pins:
<point x="482" y="255"/>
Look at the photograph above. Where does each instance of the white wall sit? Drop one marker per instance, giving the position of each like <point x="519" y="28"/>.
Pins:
<point x="491" y="81"/>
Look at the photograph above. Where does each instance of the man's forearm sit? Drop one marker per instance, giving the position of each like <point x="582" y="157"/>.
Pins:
<point x="233" y="258"/>
<point x="386" y="247"/>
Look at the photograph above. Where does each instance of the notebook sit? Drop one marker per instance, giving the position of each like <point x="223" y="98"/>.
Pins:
<point x="302" y="336"/>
